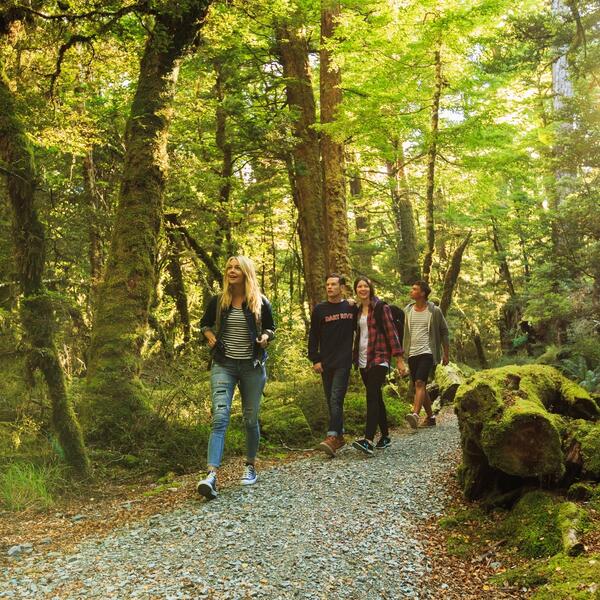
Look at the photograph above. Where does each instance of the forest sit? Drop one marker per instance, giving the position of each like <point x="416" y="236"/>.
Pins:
<point x="144" y="142"/>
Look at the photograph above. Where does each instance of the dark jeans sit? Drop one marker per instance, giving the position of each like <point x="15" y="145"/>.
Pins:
<point x="335" y="384"/>
<point x="374" y="379"/>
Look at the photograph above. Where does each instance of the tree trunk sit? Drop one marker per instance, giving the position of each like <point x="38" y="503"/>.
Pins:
<point x="332" y="152"/>
<point x="95" y="239"/>
<point x="431" y="158"/>
<point x="502" y="262"/>
<point x="176" y="286"/>
<point x="37" y="315"/>
<point x="362" y="255"/>
<point x="214" y="272"/>
<point x="452" y="275"/>
<point x="475" y="335"/>
<point x="116" y="396"/>
<point x="407" y="252"/>
<point x="223" y="235"/>
<point x="305" y="164"/>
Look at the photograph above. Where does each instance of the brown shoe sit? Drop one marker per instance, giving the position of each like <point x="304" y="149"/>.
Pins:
<point x="428" y="422"/>
<point x="329" y="445"/>
<point x="340" y="442"/>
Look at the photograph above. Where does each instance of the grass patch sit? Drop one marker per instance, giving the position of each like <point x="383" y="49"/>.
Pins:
<point x="24" y="485"/>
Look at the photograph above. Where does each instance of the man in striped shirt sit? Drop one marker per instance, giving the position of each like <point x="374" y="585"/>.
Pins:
<point x="426" y="344"/>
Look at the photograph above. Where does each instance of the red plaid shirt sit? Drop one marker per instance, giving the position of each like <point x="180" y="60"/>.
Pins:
<point x="381" y="345"/>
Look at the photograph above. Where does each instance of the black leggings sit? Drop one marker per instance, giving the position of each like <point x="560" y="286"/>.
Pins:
<point x="374" y="379"/>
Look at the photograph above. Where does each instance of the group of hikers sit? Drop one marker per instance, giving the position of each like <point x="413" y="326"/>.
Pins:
<point x="363" y="332"/>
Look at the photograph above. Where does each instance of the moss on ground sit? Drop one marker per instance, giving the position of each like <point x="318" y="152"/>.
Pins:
<point x="532" y="525"/>
<point x="558" y="578"/>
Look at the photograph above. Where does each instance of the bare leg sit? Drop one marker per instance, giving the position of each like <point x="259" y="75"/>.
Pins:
<point x="422" y="398"/>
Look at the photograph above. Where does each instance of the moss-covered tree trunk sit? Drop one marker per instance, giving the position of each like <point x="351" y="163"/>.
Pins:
<point x="407" y="252"/>
<point x="332" y="151"/>
<point x="306" y="166"/>
<point x="37" y="315"/>
<point x="115" y="393"/>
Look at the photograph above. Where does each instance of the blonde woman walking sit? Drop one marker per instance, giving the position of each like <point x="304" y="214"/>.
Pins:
<point x="238" y="325"/>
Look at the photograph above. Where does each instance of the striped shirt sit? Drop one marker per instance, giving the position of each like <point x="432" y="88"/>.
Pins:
<point x="236" y="337"/>
<point x="419" y="332"/>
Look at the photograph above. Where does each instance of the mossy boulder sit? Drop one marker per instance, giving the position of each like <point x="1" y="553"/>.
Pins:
<point x="307" y="394"/>
<point x="285" y="424"/>
<point x="581" y="490"/>
<point x="512" y="422"/>
<point x="582" y="446"/>
<point x="448" y="378"/>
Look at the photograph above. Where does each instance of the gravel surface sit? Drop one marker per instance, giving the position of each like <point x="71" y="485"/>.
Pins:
<point x="343" y="528"/>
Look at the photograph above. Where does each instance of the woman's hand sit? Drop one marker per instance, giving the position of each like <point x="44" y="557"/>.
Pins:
<point x="210" y="338"/>
<point x="263" y="340"/>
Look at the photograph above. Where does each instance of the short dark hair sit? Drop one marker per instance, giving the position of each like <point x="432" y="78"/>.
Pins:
<point x="424" y="287"/>
<point x="367" y="281"/>
<point x="337" y="276"/>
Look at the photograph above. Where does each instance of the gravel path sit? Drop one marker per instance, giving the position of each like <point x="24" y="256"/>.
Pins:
<point x="343" y="528"/>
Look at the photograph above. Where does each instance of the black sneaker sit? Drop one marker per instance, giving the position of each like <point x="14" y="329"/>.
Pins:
<point x="383" y="442"/>
<point x="363" y="445"/>
<point x="207" y="487"/>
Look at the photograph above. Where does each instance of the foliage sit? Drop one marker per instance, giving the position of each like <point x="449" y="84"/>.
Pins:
<point x="28" y="486"/>
<point x="508" y="170"/>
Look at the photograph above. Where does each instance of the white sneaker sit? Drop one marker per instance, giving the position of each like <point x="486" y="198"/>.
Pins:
<point x="250" y="475"/>
<point x="207" y="487"/>
<point x="412" y="419"/>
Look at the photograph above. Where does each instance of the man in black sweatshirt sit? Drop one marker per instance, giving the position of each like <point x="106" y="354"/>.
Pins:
<point x="330" y="338"/>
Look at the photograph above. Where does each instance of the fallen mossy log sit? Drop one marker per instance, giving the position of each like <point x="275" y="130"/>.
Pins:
<point x="512" y="422"/>
<point x="540" y="525"/>
<point x="569" y="523"/>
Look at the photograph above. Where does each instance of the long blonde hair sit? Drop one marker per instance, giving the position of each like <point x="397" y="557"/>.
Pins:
<point x="252" y="289"/>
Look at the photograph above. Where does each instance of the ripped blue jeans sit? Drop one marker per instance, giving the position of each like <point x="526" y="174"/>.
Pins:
<point x="224" y="376"/>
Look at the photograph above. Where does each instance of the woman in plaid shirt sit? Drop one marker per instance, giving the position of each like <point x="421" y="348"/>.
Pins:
<point x="375" y="343"/>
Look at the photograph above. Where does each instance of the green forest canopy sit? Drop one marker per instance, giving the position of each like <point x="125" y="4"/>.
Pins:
<point x="165" y="137"/>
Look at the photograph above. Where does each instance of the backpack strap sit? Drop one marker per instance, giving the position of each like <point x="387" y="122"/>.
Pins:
<point x="378" y="314"/>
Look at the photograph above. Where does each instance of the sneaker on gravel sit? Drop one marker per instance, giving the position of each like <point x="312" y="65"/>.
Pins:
<point x="428" y="422"/>
<point x="363" y="445"/>
<point x="250" y="475"/>
<point x="412" y="419"/>
<point x="331" y="444"/>
<point x="207" y="487"/>
<point x="383" y="442"/>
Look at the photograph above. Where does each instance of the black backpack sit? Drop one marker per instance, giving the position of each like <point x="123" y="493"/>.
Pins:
<point x="397" y="318"/>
